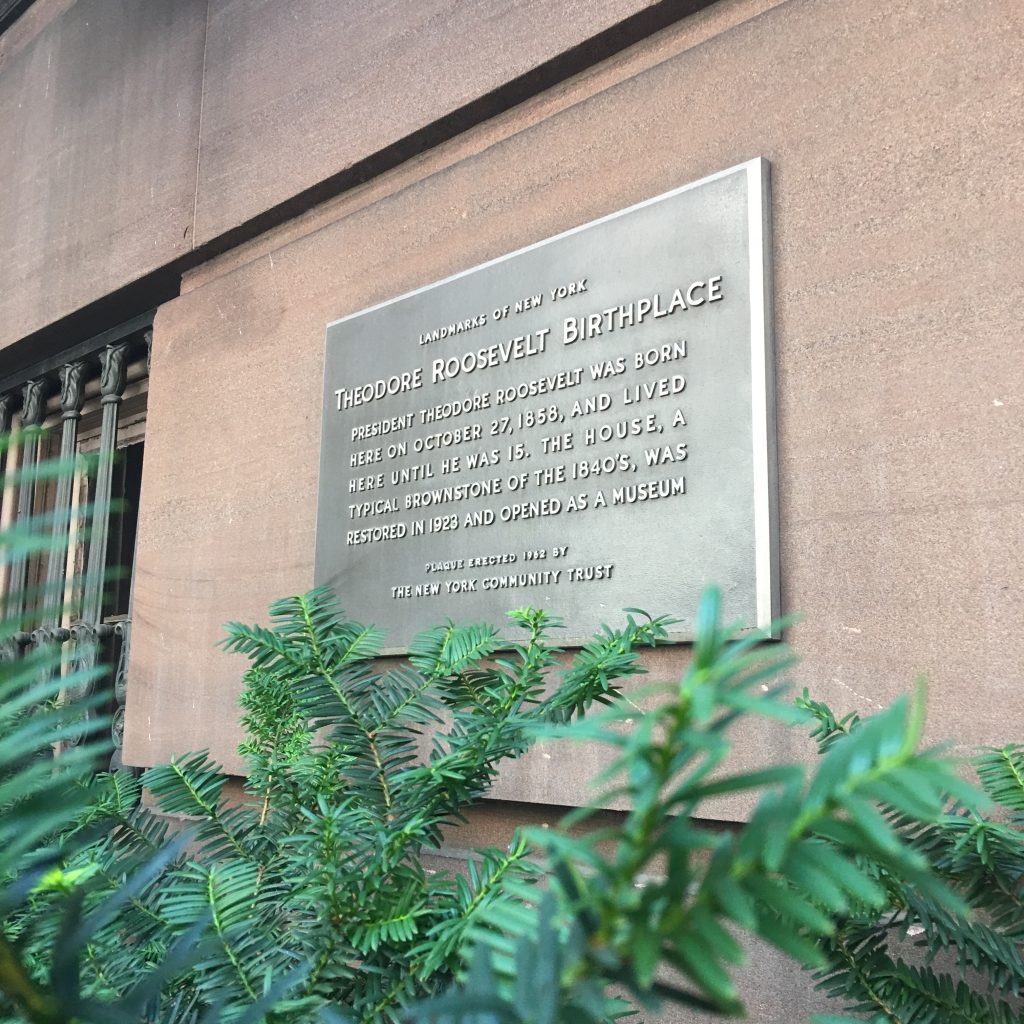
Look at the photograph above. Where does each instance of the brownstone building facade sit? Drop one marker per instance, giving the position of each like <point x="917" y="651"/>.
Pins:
<point x="214" y="181"/>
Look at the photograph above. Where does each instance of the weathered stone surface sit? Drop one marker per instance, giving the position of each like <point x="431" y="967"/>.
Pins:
<point x="297" y="92"/>
<point x="100" y="115"/>
<point x="139" y="130"/>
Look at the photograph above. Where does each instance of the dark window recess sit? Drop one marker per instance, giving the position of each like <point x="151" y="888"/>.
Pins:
<point x="124" y="523"/>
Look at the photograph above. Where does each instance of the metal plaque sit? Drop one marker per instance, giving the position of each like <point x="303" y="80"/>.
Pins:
<point x="584" y="425"/>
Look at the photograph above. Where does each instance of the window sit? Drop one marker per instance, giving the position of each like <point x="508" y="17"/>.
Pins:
<point x="77" y="594"/>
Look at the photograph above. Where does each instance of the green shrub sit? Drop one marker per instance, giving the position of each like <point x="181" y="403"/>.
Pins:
<point x="315" y="880"/>
<point x="827" y="849"/>
<point x="308" y="900"/>
<point x="43" y="800"/>
<point x="916" y="958"/>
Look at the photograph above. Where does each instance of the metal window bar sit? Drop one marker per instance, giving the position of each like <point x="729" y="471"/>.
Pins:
<point x="81" y="619"/>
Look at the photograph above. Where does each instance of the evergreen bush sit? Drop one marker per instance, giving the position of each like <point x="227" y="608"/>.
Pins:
<point x="314" y="882"/>
<point x="308" y="899"/>
<point x="917" y="959"/>
<point x="45" y="869"/>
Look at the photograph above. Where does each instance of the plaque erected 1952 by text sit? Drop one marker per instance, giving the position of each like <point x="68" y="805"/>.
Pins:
<point x="583" y="425"/>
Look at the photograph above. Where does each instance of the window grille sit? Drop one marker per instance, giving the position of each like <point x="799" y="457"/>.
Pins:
<point x="77" y="594"/>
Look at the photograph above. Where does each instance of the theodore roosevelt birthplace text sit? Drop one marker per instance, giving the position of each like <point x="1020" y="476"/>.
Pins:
<point x="583" y="425"/>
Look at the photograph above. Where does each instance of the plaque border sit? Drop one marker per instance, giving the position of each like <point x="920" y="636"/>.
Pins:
<point x="767" y="584"/>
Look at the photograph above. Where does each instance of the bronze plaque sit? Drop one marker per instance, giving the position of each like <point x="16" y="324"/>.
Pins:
<point x="584" y="425"/>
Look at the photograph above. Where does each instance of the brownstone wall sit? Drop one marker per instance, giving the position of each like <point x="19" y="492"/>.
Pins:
<point x="139" y="134"/>
<point x="894" y="139"/>
<point x="99" y="111"/>
<point x="227" y="140"/>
